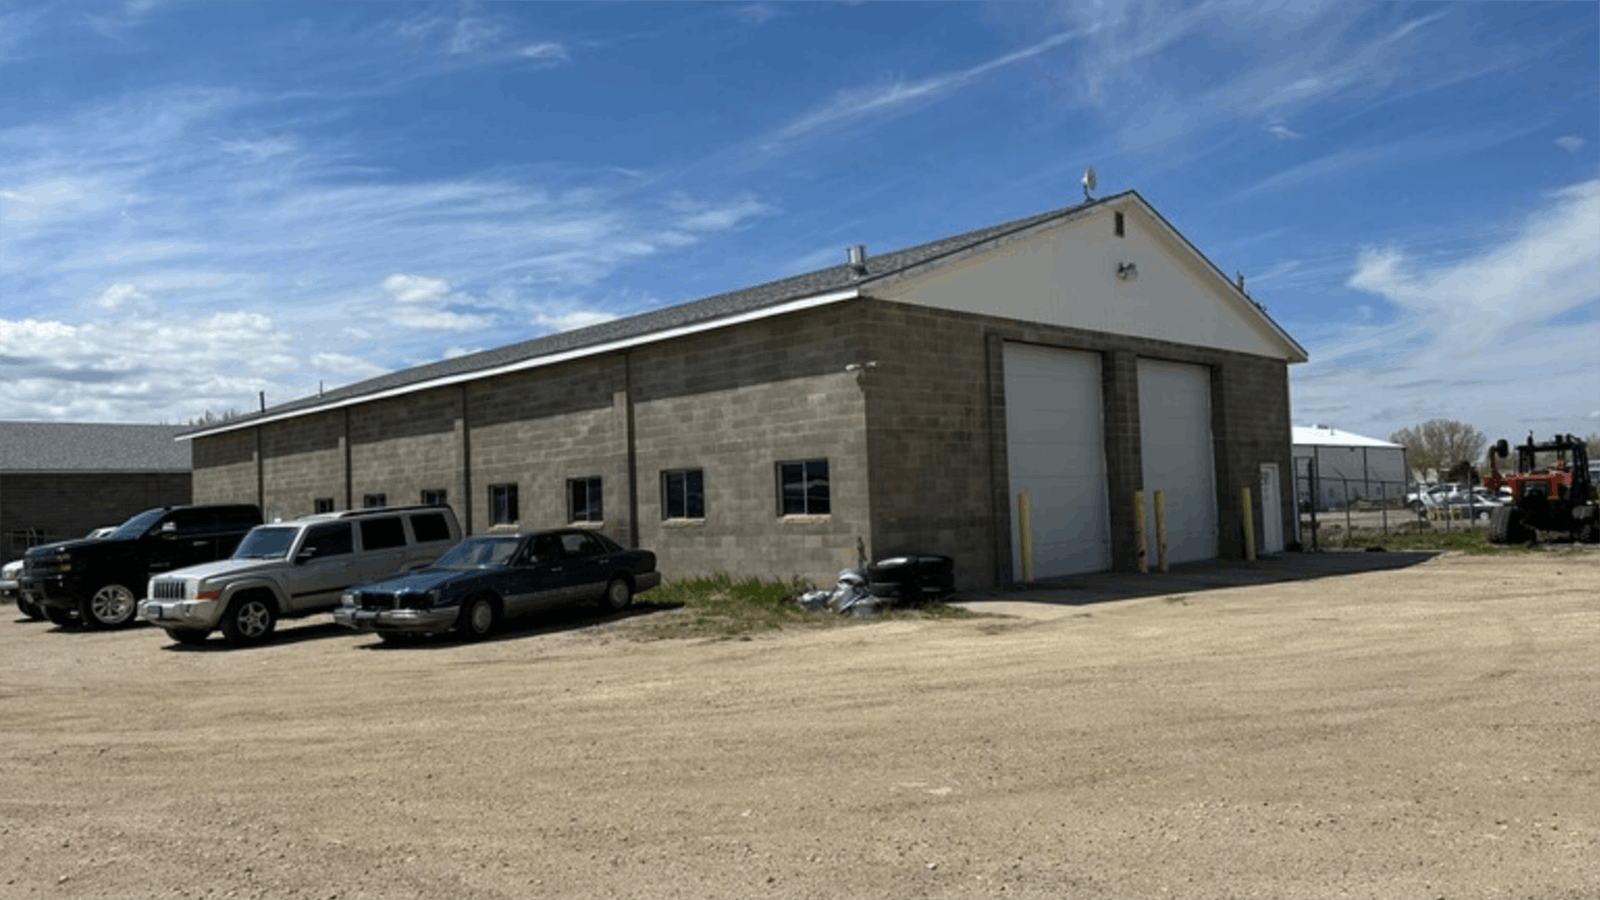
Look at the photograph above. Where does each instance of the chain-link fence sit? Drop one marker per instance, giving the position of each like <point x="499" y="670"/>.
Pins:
<point x="1340" y="511"/>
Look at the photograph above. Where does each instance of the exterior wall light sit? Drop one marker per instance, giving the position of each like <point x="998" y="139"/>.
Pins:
<point x="1127" y="272"/>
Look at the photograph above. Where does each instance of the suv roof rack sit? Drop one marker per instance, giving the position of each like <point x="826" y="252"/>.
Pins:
<point x="369" y="511"/>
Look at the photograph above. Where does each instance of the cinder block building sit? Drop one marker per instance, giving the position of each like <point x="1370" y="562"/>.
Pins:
<point x="895" y="402"/>
<point x="60" y="480"/>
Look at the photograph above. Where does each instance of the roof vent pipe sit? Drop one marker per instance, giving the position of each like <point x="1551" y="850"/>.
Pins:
<point x="856" y="257"/>
<point x="1241" y="285"/>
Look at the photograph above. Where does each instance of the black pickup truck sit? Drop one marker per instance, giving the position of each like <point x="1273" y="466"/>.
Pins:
<point x="100" y="582"/>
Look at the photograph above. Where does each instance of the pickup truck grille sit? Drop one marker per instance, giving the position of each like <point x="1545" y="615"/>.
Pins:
<point x="167" y="590"/>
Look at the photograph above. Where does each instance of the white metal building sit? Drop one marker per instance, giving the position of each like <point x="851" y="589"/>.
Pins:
<point x="1339" y="467"/>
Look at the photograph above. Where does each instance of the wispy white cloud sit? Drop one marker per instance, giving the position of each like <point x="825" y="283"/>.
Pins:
<point x="1570" y="143"/>
<point x="756" y="13"/>
<point x="854" y="104"/>
<point x="1472" y="340"/>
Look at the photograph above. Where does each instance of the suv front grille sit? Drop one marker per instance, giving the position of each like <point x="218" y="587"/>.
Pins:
<point x="167" y="590"/>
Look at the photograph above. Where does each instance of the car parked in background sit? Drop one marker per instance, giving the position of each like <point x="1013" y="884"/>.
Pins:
<point x="99" y="581"/>
<point x="9" y="573"/>
<point x="489" y="578"/>
<point x="294" y="569"/>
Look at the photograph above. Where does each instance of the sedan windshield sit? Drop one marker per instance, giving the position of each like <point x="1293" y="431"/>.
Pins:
<point x="266" y="543"/>
<point x="478" y="552"/>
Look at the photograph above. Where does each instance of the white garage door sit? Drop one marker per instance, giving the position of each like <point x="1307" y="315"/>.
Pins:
<point x="1056" y="453"/>
<point x="1175" y="444"/>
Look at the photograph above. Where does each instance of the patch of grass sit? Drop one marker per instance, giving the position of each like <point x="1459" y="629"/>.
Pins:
<point x="722" y="607"/>
<point x="1473" y="541"/>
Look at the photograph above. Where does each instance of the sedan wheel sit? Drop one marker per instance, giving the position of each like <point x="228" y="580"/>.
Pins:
<point x="479" y="618"/>
<point x="248" y="621"/>
<point x="113" y="606"/>
<point x="618" y="594"/>
<point x="188" y="635"/>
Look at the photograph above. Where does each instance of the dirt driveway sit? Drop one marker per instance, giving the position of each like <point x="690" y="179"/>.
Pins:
<point x="1426" y="732"/>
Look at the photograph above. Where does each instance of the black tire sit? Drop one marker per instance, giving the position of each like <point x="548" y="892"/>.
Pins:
<point x="249" y="620"/>
<point x="618" y="595"/>
<point x="29" y="610"/>
<point x="66" y="618"/>
<point x="1589" y="533"/>
<point x="398" y="637"/>
<point x="480" y="616"/>
<point x="190" y="636"/>
<point x="112" y="606"/>
<point x="1500" y="525"/>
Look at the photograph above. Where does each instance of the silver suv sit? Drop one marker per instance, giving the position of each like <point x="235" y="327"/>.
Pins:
<point x="295" y="568"/>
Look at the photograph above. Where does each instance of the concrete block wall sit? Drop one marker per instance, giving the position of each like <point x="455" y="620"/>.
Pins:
<point x="60" y="506"/>
<point x="225" y="468"/>
<point x="302" y="459"/>
<point x="537" y="429"/>
<point x="735" y="403"/>
<point x="928" y="429"/>
<point x="934" y="350"/>
<point x="404" y="445"/>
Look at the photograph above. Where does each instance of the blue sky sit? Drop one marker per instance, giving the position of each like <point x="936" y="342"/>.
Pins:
<point x="201" y="201"/>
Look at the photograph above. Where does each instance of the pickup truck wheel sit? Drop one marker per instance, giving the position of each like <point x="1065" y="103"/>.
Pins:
<point x="58" y="616"/>
<point x="479" y="617"/>
<point x="249" y="620"/>
<point x="189" y="636"/>
<point x="618" y="594"/>
<point x="113" y="606"/>
<point x="29" y="610"/>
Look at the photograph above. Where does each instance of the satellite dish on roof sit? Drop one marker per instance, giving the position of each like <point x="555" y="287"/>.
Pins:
<point x="1089" y="182"/>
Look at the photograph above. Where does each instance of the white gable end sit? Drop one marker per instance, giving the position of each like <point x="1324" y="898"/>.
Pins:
<point x="1066" y="275"/>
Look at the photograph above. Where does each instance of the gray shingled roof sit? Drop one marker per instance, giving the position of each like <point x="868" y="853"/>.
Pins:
<point x="772" y="293"/>
<point x="86" y="447"/>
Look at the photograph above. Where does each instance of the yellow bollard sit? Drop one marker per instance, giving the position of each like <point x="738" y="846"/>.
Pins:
<point x="1161" y="531"/>
<point x="1249" y="524"/>
<point x="1025" y="529"/>
<point x="1141" y="549"/>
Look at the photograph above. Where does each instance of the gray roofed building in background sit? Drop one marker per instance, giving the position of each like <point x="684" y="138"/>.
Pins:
<point x="40" y="447"/>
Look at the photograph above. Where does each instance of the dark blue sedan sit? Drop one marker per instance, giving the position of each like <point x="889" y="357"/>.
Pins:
<point x="489" y="578"/>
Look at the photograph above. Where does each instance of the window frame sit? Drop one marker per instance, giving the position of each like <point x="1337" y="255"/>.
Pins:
<point x="593" y="511"/>
<point x="808" y="472"/>
<point x="435" y="497"/>
<point x="322" y="505"/>
<point x="507" y="490"/>
<point x="686" y="508"/>
<point x="367" y="501"/>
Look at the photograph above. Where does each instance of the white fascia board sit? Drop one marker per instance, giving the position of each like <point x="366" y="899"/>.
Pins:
<point x="541" y="361"/>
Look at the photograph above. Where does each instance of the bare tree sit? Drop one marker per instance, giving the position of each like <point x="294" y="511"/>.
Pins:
<point x="211" y="418"/>
<point x="1439" y="444"/>
<point x="1593" y="442"/>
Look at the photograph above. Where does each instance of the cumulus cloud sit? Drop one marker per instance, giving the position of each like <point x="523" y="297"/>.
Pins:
<point x="118" y="294"/>
<point x="416" y="288"/>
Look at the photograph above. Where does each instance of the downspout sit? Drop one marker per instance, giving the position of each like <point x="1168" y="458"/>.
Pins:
<point x="466" y="463"/>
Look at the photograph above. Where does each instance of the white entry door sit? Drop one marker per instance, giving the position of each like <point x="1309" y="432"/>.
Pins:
<point x="1056" y="452"/>
<point x="1271" y="510"/>
<point x="1175" y="445"/>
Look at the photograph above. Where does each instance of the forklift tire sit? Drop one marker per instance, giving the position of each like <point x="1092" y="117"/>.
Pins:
<point x="1500" y="525"/>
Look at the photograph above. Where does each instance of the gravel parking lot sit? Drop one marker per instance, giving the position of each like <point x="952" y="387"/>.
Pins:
<point x="1426" y="732"/>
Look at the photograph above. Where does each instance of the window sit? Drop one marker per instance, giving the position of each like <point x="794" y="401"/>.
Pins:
<point x="331" y="539"/>
<point x="427" y="527"/>
<point x="577" y="546"/>
<point x="683" y="494"/>
<point x="373" y="501"/>
<point x="383" y="533"/>
<point x="1120" y="227"/>
<point x="323" y="504"/>
<point x="803" y="488"/>
<point x="435" y="497"/>
<point x="502" y="504"/>
<point x="583" y="500"/>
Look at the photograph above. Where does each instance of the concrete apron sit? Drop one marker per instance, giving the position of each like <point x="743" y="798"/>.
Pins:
<point x="1057" y="597"/>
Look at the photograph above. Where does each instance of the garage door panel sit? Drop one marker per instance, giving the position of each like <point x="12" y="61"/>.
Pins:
<point x="1055" y="452"/>
<point x="1176" y="452"/>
